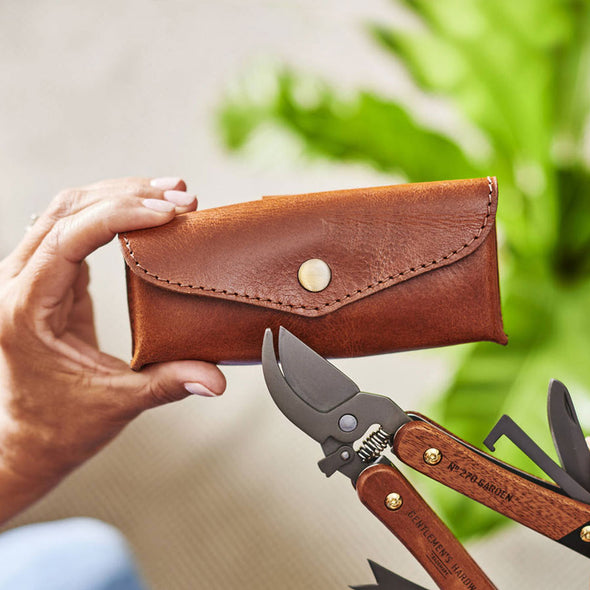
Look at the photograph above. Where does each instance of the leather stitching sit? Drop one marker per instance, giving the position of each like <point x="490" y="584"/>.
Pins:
<point x="408" y="271"/>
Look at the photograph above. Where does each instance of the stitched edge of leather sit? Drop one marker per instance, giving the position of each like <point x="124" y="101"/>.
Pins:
<point x="409" y="271"/>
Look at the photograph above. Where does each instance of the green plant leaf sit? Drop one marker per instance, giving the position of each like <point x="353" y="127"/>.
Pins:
<point x="464" y="54"/>
<point x="572" y="253"/>
<point x="361" y="128"/>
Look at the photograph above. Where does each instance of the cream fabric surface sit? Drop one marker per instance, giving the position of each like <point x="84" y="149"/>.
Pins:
<point x="217" y="494"/>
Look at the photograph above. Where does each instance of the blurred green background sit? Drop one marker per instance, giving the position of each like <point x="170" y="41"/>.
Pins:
<point x="516" y="75"/>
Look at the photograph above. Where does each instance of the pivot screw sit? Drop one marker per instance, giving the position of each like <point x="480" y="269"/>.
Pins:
<point x="347" y="423"/>
<point x="432" y="456"/>
<point x="393" y="501"/>
<point x="585" y="534"/>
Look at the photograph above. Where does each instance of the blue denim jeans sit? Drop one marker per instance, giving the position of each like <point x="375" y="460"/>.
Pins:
<point x="73" y="554"/>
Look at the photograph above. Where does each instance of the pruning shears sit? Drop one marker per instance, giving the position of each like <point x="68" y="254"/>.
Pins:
<point x="354" y="428"/>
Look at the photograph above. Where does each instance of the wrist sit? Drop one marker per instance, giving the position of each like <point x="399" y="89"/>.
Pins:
<point x="18" y="492"/>
<point x="24" y="475"/>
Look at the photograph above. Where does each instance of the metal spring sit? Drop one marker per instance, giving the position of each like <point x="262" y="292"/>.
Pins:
<point x="372" y="447"/>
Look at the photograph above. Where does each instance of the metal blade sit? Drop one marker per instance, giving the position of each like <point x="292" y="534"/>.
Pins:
<point x="567" y="434"/>
<point x="316" y="381"/>
<point x="292" y="406"/>
<point x="334" y="415"/>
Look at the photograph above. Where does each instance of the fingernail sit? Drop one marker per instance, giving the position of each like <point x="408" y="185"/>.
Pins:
<point x="166" y="182"/>
<point x="199" y="389"/>
<point x="179" y="198"/>
<point x="158" y="205"/>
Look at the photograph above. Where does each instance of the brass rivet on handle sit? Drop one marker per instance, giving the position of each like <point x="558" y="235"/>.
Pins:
<point x="432" y="456"/>
<point x="393" y="501"/>
<point x="585" y="534"/>
<point x="314" y="275"/>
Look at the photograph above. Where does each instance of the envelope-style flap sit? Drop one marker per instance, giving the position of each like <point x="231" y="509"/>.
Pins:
<point x="371" y="239"/>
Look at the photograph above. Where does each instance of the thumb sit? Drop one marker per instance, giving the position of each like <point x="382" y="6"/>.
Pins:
<point x="163" y="383"/>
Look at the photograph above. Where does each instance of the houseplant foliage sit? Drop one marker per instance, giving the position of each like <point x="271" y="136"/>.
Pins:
<point x="518" y="74"/>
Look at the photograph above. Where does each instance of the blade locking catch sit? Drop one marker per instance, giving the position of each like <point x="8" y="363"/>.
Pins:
<point x="334" y="461"/>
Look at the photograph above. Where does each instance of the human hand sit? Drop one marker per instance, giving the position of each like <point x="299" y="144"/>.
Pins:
<point x="61" y="398"/>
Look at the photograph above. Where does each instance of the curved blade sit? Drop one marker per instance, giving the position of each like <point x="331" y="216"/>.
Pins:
<point x="287" y="400"/>
<point x="567" y="434"/>
<point x="312" y="377"/>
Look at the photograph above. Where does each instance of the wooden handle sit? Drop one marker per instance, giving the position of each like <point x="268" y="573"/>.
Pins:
<point x="417" y="526"/>
<point x="550" y="513"/>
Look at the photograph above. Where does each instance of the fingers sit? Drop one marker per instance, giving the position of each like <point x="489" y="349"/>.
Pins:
<point x="54" y="266"/>
<point x="163" y="183"/>
<point x="131" y="392"/>
<point x="82" y="309"/>
<point x="72" y="201"/>
<point x="163" y="383"/>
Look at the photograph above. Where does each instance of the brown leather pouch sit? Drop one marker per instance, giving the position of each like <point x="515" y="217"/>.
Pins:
<point x="409" y="266"/>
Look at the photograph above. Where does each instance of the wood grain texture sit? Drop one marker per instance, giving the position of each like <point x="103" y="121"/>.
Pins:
<point x="538" y="508"/>
<point x="418" y="527"/>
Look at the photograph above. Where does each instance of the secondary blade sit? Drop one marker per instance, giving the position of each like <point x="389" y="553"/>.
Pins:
<point x="387" y="580"/>
<point x="567" y="434"/>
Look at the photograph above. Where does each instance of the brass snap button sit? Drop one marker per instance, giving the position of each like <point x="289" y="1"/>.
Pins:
<point x="314" y="275"/>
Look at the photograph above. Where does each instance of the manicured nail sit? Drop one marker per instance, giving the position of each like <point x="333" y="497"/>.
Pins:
<point x="158" y="205"/>
<point x="166" y="182"/>
<point x="179" y="198"/>
<point x="199" y="389"/>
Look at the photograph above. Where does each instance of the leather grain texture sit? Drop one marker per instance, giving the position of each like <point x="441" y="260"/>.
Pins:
<point x="412" y="266"/>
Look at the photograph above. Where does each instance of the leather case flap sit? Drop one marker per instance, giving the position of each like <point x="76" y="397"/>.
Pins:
<point x="372" y="239"/>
